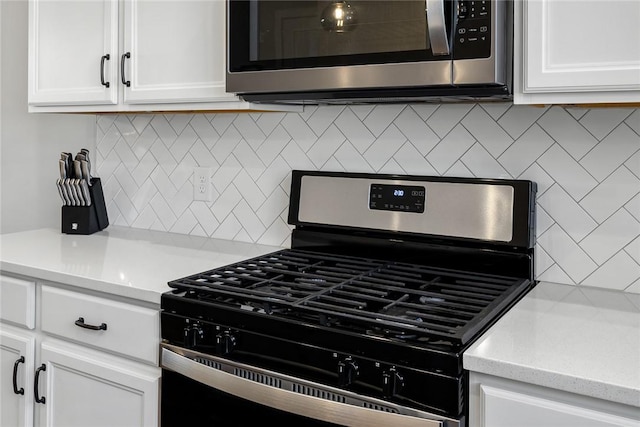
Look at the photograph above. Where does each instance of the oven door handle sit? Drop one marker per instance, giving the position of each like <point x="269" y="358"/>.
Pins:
<point x="287" y="401"/>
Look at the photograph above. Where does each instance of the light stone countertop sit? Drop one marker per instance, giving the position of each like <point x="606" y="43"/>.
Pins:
<point x="577" y="339"/>
<point x="126" y="262"/>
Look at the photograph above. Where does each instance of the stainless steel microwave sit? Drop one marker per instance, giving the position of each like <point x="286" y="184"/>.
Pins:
<point x="337" y="51"/>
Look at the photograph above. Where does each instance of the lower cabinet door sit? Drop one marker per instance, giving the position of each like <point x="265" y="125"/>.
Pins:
<point x="84" y="388"/>
<point x="16" y="377"/>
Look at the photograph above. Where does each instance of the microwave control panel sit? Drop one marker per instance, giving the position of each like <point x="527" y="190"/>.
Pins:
<point x="472" y="34"/>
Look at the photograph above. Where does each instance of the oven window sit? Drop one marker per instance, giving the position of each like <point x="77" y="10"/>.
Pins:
<point x="186" y="402"/>
<point x="271" y="34"/>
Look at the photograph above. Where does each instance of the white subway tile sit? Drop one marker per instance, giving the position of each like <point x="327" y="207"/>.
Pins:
<point x="601" y="121"/>
<point x="611" y="236"/>
<point x="384" y="147"/>
<point x="567" y="213"/>
<point x="354" y="130"/>
<point x="482" y="164"/>
<point x="381" y="117"/>
<point x="519" y="118"/>
<point x="327" y="144"/>
<point x="447" y="117"/>
<point x="570" y="257"/>
<point x="416" y="130"/>
<point x="567" y="132"/>
<point x="488" y="132"/>
<point x="614" y="150"/>
<point x="615" y="191"/>
<point x="567" y="172"/>
<point x="450" y="149"/>
<point x="619" y="272"/>
<point x="525" y="150"/>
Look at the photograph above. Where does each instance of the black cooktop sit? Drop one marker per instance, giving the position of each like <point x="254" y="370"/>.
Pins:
<point x="400" y="301"/>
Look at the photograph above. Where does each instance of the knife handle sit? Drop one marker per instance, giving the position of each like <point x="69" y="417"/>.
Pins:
<point x="59" y="186"/>
<point x="86" y="171"/>
<point x="77" y="169"/>
<point x="85" y="192"/>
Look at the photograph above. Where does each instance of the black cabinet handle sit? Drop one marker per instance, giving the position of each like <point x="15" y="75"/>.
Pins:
<point x="104" y="58"/>
<point x="125" y="82"/>
<point x="80" y="322"/>
<point x="39" y="399"/>
<point x="15" y="376"/>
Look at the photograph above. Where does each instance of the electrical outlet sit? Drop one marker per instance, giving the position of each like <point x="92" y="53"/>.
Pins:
<point x="202" y="184"/>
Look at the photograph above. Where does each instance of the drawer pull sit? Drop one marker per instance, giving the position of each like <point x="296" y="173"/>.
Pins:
<point x="39" y="399"/>
<point x="104" y="58"/>
<point x="15" y="376"/>
<point x="124" y="56"/>
<point x="80" y="322"/>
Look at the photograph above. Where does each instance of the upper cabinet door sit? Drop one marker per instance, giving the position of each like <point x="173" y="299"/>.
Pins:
<point x="174" y="51"/>
<point x="73" y="52"/>
<point x="577" y="51"/>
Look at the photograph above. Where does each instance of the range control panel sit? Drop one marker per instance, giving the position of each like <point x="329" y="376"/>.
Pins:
<point x="404" y="198"/>
<point x="472" y="37"/>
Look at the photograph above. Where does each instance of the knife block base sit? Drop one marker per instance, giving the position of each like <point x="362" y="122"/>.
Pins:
<point x="86" y="219"/>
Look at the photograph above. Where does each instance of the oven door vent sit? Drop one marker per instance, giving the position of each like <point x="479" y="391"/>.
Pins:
<point x="370" y="405"/>
<point x="257" y="378"/>
<point x="315" y="392"/>
<point x="209" y="363"/>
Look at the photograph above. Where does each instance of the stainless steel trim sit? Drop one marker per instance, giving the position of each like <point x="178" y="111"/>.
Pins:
<point x="475" y="211"/>
<point x="219" y="374"/>
<point x="497" y="67"/>
<point x="437" y="27"/>
<point x="371" y="76"/>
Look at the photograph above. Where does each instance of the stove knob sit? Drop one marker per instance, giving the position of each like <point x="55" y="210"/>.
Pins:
<point x="192" y="335"/>
<point x="392" y="382"/>
<point x="225" y="343"/>
<point x="347" y="372"/>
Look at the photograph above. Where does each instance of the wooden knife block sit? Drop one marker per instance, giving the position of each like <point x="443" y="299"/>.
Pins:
<point x="86" y="219"/>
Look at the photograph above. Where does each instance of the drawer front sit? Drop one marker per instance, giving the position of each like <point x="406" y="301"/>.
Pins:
<point x="18" y="301"/>
<point x="99" y="322"/>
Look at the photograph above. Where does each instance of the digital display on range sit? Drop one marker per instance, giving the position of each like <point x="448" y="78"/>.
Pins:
<point x="403" y="198"/>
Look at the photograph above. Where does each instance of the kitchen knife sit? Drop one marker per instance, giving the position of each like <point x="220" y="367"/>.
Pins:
<point x="78" y="188"/>
<point x="77" y="171"/>
<point x="85" y="192"/>
<point x="62" y="196"/>
<point x="68" y="158"/>
<point x="65" y="194"/>
<point x="72" y="192"/>
<point x="62" y="163"/>
<point x="86" y="154"/>
<point x="86" y="171"/>
<point x="67" y="184"/>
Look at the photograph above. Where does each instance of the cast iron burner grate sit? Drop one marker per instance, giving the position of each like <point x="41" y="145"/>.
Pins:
<point x="393" y="299"/>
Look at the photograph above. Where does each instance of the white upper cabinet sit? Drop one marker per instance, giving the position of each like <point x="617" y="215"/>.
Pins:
<point x="129" y="55"/>
<point x="573" y="51"/>
<point x="71" y="43"/>
<point x="177" y="51"/>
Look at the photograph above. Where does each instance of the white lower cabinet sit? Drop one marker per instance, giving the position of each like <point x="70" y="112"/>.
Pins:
<point x="17" y="356"/>
<point x="84" y="388"/>
<point x="498" y="402"/>
<point x="90" y="360"/>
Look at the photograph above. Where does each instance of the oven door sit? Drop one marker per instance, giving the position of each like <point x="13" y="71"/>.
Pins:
<point x="286" y="46"/>
<point x="199" y="389"/>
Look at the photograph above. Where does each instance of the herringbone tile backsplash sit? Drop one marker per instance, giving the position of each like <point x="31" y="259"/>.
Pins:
<point x="586" y="163"/>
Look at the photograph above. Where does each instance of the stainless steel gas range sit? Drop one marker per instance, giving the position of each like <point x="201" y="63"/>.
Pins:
<point x="364" y="319"/>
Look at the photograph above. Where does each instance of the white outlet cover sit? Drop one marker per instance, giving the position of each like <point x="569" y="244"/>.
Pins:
<point x="202" y="188"/>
